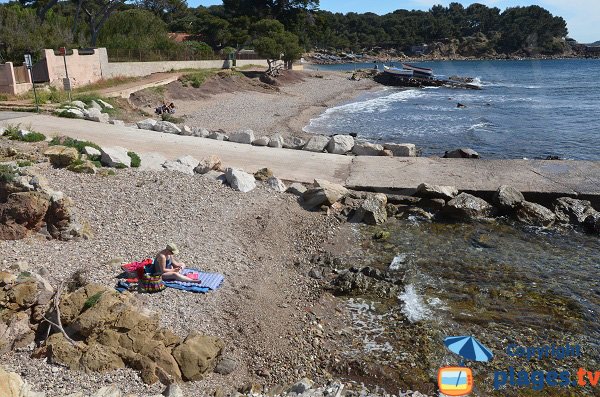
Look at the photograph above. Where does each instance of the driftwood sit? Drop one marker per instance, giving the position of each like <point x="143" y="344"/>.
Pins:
<point x="58" y="323"/>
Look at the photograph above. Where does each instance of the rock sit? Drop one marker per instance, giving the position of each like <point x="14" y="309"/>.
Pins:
<point x="97" y="116"/>
<point x="189" y="161"/>
<point x="466" y="207"/>
<point x="239" y="180"/>
<point x="316" y="274"/>
<point x="166" y="127"/>
<point x="276" y="184"/>
<point x="225" y="366"/>
<point x="186" y="131"/>
<point x="74" y="112"/>
<point x="173" y="390"/>
<point x="120" y="123"/>
<point x="276" y="141"/>
<point x="324" y="192"/>
<point x="263" y="174"/>
<point x="432" y="205"/>
<point x="95" y="105"/>
<point x="425" y="190"/>
<point x="151" y="161"/>
<point x="245" y="136"/>
<point x="296" y="189"/>
<point x="402" y="149"/>
<point x="197" y="355"/>
<point x="401" y="199"/>
<point x="79" y="104"/>
<point x="92" y="151"/>
<point x="217" y="176"/>
<point x="373" y="210"/>
<point x="316" y="143"/>
<point x="218" y="136"/>
<point x="115" y="156"/>
<point x="262" y="141"/>
<point x="591" y="224"/>
<point x="463" y="153"/>
<point x="507" y="198"/>
<point x="11" y="385"/>
<point x="22" y="213"/>
<point x="293" y="143"/>
<point x="534" y="214"/>
<point x="367" y="149"/>
<point x="301" y="387"/>
<point x="105" y="104"/>
<point x="61" y="156"/>
<point x="183" y="165"/>
<point x="570" y="210"/>
<point x="147" y="124"/>
<point x="84" y="167"/>
<point x="207" y="164"/>
<point x="340" y="144"/>
<point x="108" y="391"/>
<point x="200" y="132"/>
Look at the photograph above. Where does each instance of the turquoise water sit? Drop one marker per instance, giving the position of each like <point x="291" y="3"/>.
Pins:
<point x="526" y="109"/>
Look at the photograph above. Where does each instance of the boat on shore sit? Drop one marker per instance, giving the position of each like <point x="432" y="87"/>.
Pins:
<point x="398" y="72"/>
<point x="426" y="72"/>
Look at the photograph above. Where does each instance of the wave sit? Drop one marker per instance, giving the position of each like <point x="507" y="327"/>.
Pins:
<point x="378" y="104"/>
<point x="511" y="85"/>
<point x="413" y="306"/>
<point x="480" y="126"/>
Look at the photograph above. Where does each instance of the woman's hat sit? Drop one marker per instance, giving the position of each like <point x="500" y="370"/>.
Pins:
<point x="173" y="248"/>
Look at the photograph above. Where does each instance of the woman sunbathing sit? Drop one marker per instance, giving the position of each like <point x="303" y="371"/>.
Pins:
<point x="168" y="267"/>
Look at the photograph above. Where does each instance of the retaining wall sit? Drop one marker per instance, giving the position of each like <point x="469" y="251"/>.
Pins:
<point x="8" y="80"/>
<point x="83" y="69"/>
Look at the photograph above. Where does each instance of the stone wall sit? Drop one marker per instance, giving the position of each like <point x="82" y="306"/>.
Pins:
<point x="8" y="81"/>
<point x="83" y="69"/>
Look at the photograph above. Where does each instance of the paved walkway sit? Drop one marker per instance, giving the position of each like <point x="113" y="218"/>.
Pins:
<point x="533" y="177"/>
<point x="153" y="80"/>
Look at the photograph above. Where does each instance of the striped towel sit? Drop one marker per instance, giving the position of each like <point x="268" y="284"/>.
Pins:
<point x="211" y="281"/>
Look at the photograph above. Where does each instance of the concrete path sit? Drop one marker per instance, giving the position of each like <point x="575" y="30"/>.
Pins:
<point x="125" y="90"/>
<point x="544" y="179"/>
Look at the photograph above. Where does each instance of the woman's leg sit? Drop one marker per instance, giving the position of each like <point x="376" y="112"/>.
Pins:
<point x="178" y="277"/>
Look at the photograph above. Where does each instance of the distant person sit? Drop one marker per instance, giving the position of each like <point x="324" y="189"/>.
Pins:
<point x="170" y="269"/>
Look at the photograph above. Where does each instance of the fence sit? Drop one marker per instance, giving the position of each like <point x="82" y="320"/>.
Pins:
<point x="175" y="55"/>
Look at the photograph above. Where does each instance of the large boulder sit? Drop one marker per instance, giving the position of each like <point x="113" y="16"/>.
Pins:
<point x="340" y="144"/>
<point x="186" y="131"/>
<point x="367" y="149"/>
<point x="147" y="124"/>
<point x="316" y="143"/>
<point x="105" y="104"/>
<point x="276" y="184"/>
<point x="297" y="189"/>
<point x="61" y="156"/>
<point x="219" y="136"/>
<point x="262" y="141"/>
<point x="207" y="164"/>
<point x="240" y="180"/>
<point x="323" y="193"/>
<point x="276" y="141"/>
<point x="166" y="127"/>
<point x="244" y="136"/>
<point x="200" y="132"/>
<point x="83" y="167"/>
<point x="72" y="112"/>
<point x="463" y="153"/>
<point x="293" y="143"/>
<point x="151" y="161"/>
<point x="425" y="190"/>
<point x="185" y="164"/>
<point x="263" y="174"/>
<point x="22" y="213"/>
<point x="95" y="105"/>
<point x="372" y="211"/>
<point x="91" y="151"/>
<point x="79" y="104"/>
<point x="466" y="207"/>
<point x="115" y="156"/>
<point x="401" y="149"/>
<point x="507" y="198"/>
<point x="197" y="355"/>
<point x="591" y="224"/>
<point x="97" y="116"/>
<point x="11" y="385"/>
<point x="535" y="214"/>
<point x="570" y="210"/>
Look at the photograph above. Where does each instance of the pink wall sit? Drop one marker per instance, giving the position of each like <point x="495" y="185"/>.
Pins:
<point x="83" y="69"/>
<point x="8" y="84"/>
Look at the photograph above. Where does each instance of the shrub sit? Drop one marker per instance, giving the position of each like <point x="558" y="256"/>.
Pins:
<point x="97" y="163"/>
<point x="68" y="115"/>
<point x="12" y="132"/>
<point x="7" y="173"/>
<point x="120" y="166"/>
<point x="92" y="300"/>
<point x="135" y="159"/>
<point x="70" y="142"/>
<point x="172" y="119"/>
<point x="24" y="163"/>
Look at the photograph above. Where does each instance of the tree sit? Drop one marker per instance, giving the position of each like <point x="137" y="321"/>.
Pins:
<point x="134" y="29"/>
<point x="97" y="13"/>
<point x="273" y="42"/>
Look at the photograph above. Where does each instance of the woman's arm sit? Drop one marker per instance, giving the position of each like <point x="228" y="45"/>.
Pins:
<point x="162" y="265"/>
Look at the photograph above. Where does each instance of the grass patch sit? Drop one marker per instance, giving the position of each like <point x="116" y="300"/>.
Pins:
<point x="171" y="119"/>
<point x="3" y="97"/>
<point x="92" y="300"/>
<point x="135" y="159"/>
<point x="24" y="163"/>
<point x="67" y="115"/>
<point x="120" y="166"/>
<point x="251" y="66"/>
<point x="13" y="133"/>
<point x="107" y="83"/>
<point x="197" y="77"/>
<point x="7" y="173"/>
<point x="97" y="163"/>
<point x="70" y="142"/>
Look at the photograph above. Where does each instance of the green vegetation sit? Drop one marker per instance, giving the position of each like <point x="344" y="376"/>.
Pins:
<point x="67" y="115"/>
<point x="171" y="119"/>
<point x="3" y="97"/>
<point x="92" y="300"/>
<point x="7" y="173"/>
<point x="24" y="163"/>
<point x="74" y="143"/>
<point x="135" y="159"/>
<point x="13" y="132"/>
<point x="197" y="77"/>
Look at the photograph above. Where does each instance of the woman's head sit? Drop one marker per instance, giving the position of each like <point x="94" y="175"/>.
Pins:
<point x="172" y="248"/>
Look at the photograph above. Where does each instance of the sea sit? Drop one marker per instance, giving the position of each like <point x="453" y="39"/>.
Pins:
<point x="525" y="109"/>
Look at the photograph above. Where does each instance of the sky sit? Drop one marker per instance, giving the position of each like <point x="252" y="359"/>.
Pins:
<point x="582" y="16"/>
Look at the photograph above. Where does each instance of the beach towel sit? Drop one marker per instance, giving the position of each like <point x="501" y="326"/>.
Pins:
<point x="210" y="282"/>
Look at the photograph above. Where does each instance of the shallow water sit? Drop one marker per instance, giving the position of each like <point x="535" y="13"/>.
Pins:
<point x="526" y="109"/>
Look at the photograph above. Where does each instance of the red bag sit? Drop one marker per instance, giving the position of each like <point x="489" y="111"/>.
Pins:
<point x="137" y="268"/>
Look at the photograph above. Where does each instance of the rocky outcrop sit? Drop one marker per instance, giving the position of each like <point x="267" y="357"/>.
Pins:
<point x="507" y="198"/>
<point x="591" y="224"/>
<point x="365" y="281"/>
<point x="372" y="211"/>
<point x="11" y="385"/>
<point x="197" y="355"/>
<point x="401" y="149"/>
<point x="463" y="153"/>
<point x="535" y="214"/>
<point x="245" y="136"/>
<point x="466" y="207"/>
<point x="316" y="143"/>
<point x="570" y="210"/>
<point x="239" y="180"/>
<point x="340" y="144"/>
<point x="207" y="164"/>
<point x="367" y="149"/>
<point x="115" y="156"/>
<point x="425" y="190"/>
<point x="61" y="156"/>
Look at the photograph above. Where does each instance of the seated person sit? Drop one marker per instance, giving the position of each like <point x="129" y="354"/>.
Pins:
<point x="171" y="108"/>
<point x="168" y="267"/>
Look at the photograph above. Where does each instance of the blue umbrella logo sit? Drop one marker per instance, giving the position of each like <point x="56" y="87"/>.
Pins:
<point x="468" y="348"/>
